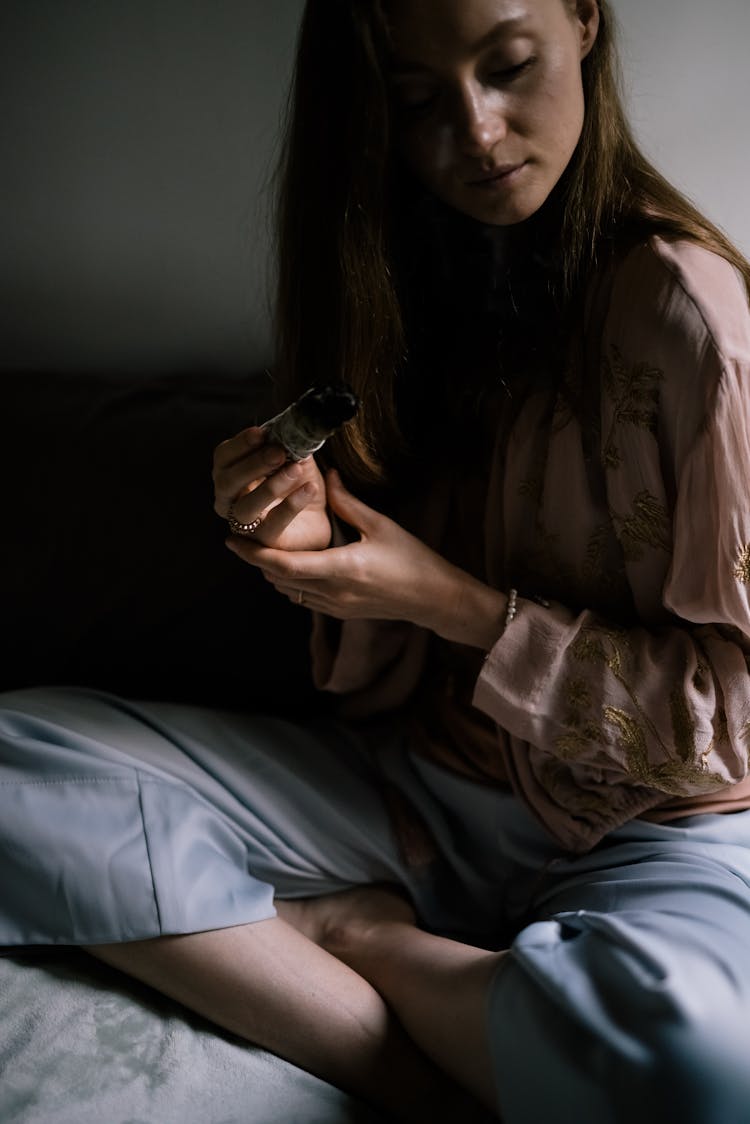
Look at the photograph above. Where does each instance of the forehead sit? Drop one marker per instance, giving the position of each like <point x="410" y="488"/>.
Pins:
<point x="433" y="27"/>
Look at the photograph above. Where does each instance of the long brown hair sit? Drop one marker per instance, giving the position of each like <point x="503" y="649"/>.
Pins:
<point x="338" y="311"/>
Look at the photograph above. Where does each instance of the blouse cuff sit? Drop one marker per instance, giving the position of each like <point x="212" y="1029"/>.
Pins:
<point x="511" y="687"/>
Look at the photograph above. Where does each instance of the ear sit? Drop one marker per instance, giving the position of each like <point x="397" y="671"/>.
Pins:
<point x="587" y="17"/>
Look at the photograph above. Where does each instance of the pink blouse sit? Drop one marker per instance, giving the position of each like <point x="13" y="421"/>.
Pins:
<point x="624" y="501"/>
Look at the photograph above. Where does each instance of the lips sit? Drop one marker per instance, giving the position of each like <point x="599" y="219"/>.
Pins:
<point x="496" y="174"/>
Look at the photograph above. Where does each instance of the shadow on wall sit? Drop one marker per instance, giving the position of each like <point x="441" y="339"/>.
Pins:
<point x="136" y="142"/>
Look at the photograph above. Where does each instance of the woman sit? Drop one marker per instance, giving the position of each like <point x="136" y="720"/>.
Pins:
<point x="530" y="577"/>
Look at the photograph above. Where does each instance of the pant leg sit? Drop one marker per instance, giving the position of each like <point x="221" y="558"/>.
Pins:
<point x="121" y="821"/>
<point x="628" y="998"/>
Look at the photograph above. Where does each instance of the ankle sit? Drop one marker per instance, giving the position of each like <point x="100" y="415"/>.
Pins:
<point x="346" y="937"/>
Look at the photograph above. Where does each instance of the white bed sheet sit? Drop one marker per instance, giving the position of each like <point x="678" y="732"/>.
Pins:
<point x="82" y="1044"/>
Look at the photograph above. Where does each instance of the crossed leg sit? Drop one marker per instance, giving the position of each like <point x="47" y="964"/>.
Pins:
<point x="270" y="984"/>
<point x="437" y="987"/>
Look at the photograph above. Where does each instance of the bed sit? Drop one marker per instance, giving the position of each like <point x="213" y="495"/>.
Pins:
<point x="83" y="1044"/>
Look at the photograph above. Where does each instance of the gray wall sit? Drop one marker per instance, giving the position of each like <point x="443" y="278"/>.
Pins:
<point x="687" y="78"/>
<point x="136" y="139"/>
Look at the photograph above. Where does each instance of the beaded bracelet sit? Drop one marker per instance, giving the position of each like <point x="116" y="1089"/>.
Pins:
<point x="512" y="606"/>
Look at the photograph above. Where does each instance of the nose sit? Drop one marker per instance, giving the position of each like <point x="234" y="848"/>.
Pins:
<point x="480" y="121"/>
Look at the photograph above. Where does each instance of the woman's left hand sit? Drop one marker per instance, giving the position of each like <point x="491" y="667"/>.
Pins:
<point x="387" y="574"/>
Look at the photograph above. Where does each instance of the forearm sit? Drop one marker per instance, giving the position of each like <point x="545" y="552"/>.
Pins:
<point x="464" y="610"/>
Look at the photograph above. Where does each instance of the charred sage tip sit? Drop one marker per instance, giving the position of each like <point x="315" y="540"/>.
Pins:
<point x="306" y="425"/>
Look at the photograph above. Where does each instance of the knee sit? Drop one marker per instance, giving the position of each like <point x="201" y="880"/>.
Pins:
<point x="634" y="1026"/>
<point x="696" y="1071"/>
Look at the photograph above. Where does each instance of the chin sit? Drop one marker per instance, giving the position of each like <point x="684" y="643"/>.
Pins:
<point x="496" y="215"/>
<point x="508" y="208"/>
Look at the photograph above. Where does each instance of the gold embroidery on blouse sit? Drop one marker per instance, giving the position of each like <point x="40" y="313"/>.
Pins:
<point x="647" y="525"/>
<point x="579" y="740"/>
<point x="600" y="575"/>
<point x="712" y="744"/>
<point x="668" y="776"/>
<point x="587" y="646"/>
<point x="742" y="568"/>
<point x="635" y="392"/>
<point x="744" y="735"/>
<point x="577" y="693"/>
<point x="634" y="731"/>
<point x="593" y="567"/>
<point x="581" y="732"/>
<point x="721" y="734"/>
<point x="699" y="677"/>
<point x="683" y="725"/>
<point x="632" y="736"/>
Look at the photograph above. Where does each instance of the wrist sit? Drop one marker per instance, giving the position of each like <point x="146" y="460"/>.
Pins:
<point x="469" y="612"/>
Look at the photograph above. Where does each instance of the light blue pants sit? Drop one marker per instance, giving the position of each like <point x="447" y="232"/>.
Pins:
<point x="630" y="988"/>
<point x="626" y="996"/>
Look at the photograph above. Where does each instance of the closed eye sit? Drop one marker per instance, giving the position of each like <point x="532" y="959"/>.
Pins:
<point x="509" y="73"/>
<point x="416" y="102"/>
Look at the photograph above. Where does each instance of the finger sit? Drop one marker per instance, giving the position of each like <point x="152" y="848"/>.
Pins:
<point x="256" y="554"/>
<point x="295" y="592"/>
<point x="235" y="448"/>
<point x="244" y="476"/>
<point x="317" y="602"/>
<point x="277" y="566"/>
<point x="264" y="497"/>
<point x="293" y="567"/>
<point x="308" y="597"/>
<point x="279" y="517"/>
<point x="242" y="468"/>
<point x="341" y="501"/>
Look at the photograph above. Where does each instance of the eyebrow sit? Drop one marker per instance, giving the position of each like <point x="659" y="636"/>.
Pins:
<point x="404" y="67"/>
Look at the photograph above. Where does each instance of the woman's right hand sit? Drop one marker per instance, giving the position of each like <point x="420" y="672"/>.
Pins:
<point x="253" y="480"/>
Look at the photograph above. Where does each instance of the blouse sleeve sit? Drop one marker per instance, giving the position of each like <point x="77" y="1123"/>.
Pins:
<point x="375" y="664"/>
<point x="663" y="707"/>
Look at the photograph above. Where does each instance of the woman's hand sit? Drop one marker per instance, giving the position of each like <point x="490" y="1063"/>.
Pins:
<point x="387" y="574"/>
<point x="252" y="480"/>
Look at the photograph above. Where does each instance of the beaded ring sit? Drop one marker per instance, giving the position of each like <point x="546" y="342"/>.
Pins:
<point x="244" y="530"/>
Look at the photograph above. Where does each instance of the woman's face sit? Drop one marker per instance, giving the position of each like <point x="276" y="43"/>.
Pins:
<point x="488" y="98"/>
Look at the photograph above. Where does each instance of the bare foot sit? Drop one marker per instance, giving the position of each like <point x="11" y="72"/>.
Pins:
<point x="370" y="928"/>
<point x="334" y="920"/>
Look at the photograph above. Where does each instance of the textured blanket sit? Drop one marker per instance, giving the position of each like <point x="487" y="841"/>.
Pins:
<point x="82" y="1044"/>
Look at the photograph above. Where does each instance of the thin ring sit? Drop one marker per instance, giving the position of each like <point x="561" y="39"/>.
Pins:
<point x="244" y="530"/>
